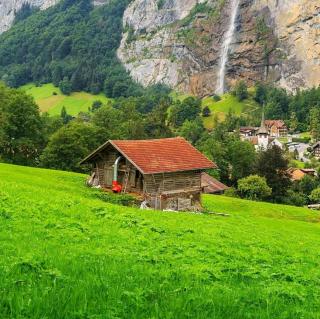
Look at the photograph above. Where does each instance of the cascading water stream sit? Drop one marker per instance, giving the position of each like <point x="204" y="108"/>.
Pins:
<point x="226" y="47"/>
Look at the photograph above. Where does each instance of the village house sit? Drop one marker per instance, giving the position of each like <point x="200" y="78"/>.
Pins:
<point x="296" y="174"/>
<point x="316" y="150"/>
<point x="247" y="131"/>
<point x="276" y="128"/>
<point x="262" y="139"/>
<point x="166" y="173"/>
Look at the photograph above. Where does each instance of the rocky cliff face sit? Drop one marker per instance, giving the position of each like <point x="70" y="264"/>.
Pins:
<point x="297" y="26"/>
<point x="8" y="9"/>
<point x="178" y="43"/>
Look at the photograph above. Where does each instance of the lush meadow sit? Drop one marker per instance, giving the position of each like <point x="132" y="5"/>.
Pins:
<point x="50" y="99"/>
<point x="65" y="253"/>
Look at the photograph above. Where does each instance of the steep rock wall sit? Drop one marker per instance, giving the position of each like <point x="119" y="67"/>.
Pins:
<point x="297" y="25"/>
<point x="8" y="9"/>
<point x="275" y="40"/>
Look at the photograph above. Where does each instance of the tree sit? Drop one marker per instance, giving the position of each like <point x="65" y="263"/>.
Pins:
<point x="315" y="123"/>
<point x="96" y="105"/>
<point x="108" y="121"/>
<point x="69" y="145"/>
<point x="188" y="109"/>
<point x="241" y="90"/>
<point x="215" y="150"/>
<point x="231" y="121"/>
<point x="26" y="11"/>
<point x="260" y="93"/>
<point x="66" y="118"/>
<point x="242" y="157"/>
<point x="206" y="112"/>
<point x="192" y="130"/>
<point x="293" y="122"/>
<point x="65" y="86"/>
<point x="254" y="187"/>
<point x="315" y="196"/>
<point x="274" y="167"/>
<point x="21" y="129"/>
<point x="277" y="104"/>
<point x="307" y="184"/>
<point x="155" y="123"/>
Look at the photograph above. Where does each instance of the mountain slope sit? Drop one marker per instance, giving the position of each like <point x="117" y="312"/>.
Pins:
<point x="72" y="44"/>
<point x="68" y="254"/>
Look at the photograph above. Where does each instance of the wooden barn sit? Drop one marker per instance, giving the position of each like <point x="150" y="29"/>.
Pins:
<point x="166" y="172"/>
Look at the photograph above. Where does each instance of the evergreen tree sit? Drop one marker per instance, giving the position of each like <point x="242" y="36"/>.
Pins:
<point x="315" y="123"/>
<point x="66" y="118"/>
<point x="274" y="167"/>
<point x="206" y="112"/>
<point x="241" y="90"/>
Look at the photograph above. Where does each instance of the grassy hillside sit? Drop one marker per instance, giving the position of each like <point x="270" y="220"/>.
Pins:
<point x="227" y="103"/>
<point x="65" y="253"/>
<point x="50" y="99"/>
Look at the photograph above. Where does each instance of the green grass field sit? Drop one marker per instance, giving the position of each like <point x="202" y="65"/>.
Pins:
<point x="228" y="103"/>
<point x="49" y="102"/>
<point x="221" y="108"/>
<point x="65" y="253"/>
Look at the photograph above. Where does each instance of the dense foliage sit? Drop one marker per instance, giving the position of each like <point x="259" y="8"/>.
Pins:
<point x="21" y="128"/>
<point x="301" y="110"/>
<point x="72" y="45"/>
<point x="60" y="142"/>
<point x="254" y="187"/>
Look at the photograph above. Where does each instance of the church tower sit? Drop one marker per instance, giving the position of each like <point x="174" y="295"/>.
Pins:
<point x="263" y="134"/>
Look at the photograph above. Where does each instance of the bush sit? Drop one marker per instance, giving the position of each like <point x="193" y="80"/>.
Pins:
<point x="216" y="98"/>
<point x="315" y="196"/>
<point x="231" y="192"/>
<point x="118" y="199"/>
<point x="295" y="199"/>
<point x="254" y="187"/>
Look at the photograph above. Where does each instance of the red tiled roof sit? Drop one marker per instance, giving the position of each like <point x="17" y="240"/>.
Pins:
<point x="211" y="185"/>
<point x="163" y="155"/>
<point x="159" y="156"/>
<point x="277" y="123"/>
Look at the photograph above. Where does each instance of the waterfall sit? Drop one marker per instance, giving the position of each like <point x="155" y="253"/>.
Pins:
<point x="224" y="53"/>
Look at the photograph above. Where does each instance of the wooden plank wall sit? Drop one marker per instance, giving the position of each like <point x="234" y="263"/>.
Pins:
<point x="158" y="183"/>
<point x="105" y="161"/>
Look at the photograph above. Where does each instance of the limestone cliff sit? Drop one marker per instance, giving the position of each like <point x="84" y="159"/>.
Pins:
<point x="8" y="9"/>
<point x="178" y="42"/>
<point x="297" y="26"/>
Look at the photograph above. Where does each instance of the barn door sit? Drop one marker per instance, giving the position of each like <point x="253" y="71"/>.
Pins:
<point x="108" y="176"/>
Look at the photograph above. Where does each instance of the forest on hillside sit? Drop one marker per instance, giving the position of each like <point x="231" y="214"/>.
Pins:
<point x="28" y="137"/>
<point x="72" y="45"/>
